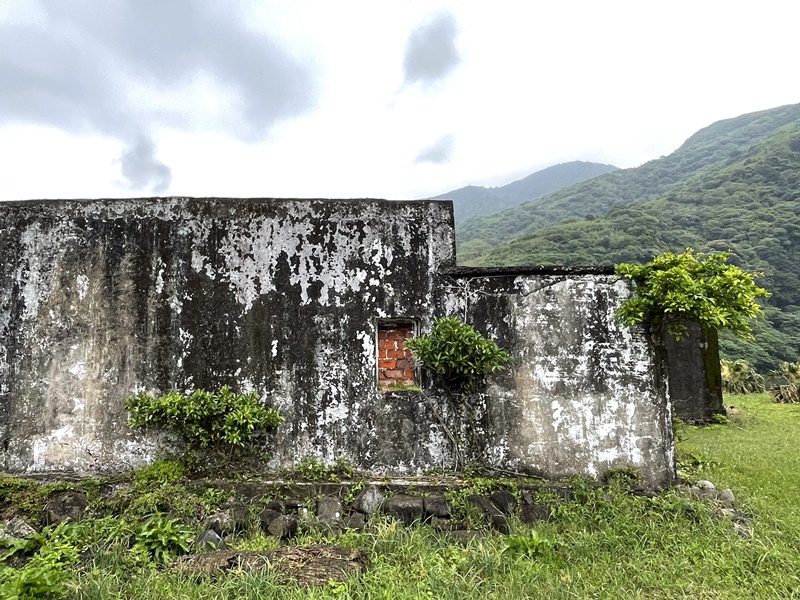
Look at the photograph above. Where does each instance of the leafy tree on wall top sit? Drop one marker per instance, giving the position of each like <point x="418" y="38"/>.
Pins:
<point x="675" y="288"/>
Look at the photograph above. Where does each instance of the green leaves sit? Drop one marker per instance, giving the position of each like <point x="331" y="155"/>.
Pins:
<point x="458" y="353"/>
<point x="205" y="420"/>
<point x="673" y="288"/>
<point x="526" y="545"/>
<point x="56" y="549"/>
<point x="163" y="539"/>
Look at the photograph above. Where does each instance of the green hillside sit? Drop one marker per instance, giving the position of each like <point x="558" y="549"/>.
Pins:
<point x="718" y="145"/>
<point x="747" y="202"/>
<point x="472" y="201"/>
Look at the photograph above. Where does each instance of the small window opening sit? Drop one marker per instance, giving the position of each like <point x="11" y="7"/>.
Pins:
<point x="395" y="363"/>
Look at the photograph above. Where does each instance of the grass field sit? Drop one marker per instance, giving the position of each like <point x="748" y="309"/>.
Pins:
<point x="605" y="544"/>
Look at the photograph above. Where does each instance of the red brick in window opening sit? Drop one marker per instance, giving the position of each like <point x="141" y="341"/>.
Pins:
<point x="395" y="362"/>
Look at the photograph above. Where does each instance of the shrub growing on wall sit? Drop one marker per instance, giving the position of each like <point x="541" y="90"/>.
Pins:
<point x="458" y="354"/>
<point x="461" y="358"/>
<point x="220" y="422"/>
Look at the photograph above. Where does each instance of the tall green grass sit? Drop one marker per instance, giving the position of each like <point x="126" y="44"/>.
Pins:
<point x="604" y="544"/>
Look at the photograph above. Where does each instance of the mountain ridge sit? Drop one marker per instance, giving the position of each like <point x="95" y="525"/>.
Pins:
<point x="717" y="143"/>
<point x="473" y="200"/>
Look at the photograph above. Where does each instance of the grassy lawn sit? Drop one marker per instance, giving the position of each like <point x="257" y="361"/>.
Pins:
<point x="604" y="544"/>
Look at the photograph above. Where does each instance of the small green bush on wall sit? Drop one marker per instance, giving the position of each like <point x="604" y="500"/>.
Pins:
<point x="458" y="354"/>
<point x="217" y="422"/>
<point x="461" y="358"/>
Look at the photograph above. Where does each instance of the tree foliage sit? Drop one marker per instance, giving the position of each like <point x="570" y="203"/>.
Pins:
<point x="718" y="146"/>
<point x="674" y="288"/>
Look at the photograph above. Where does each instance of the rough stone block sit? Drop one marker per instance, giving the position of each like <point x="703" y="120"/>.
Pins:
<point x="15" y="528"/>
<point x="283" y="527"/>
<point x="210" y="540"/>
<point x="436" y="505"/>
<point x="369" y="501"/>
<point x="404" y="508"/>
<point x="277" y="505"/>
<point x="534" y="513"/>
<point x="356" y="521"/>
<point x="240" y="514"/>
<point x="329" y="510"/>
<point x="504" y="500"/>
<point x="66" y="506"/>
<point x="726" y="498"/>
<point x="491" y="514"/>
<point x="267" y="516"/>
<point x="221" y="522"/>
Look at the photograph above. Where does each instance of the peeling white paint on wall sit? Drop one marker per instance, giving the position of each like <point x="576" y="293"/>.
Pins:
<point x="79" y="370"/>
<point x="251" y="255"/>
<point x="583" y="384"/>
<point x="368" y="343"/>
<point x="82" y="283"/>
<point x="36" y="287"/>
<point x="160" y="281"/>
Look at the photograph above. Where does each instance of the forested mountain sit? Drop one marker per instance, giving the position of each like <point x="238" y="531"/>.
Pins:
<point x="717" y="144"/>
<point x="472" y="201"/>
<point x="732" y="186"/>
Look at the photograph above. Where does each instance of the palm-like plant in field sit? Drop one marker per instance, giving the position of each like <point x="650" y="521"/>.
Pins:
<point x="789" y="372"/>
<point x="788" y="391"/>
<point x="738" y="377"/>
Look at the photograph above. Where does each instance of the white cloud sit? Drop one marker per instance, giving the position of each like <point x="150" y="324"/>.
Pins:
<point x="319" y="98"/>
<point x="142" y="170"/>
<point x="439" y="152"/>
<point x="125" y="68"/>
<point x="431" y="52"/>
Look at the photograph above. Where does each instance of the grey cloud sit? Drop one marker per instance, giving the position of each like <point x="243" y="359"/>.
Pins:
<point x="439" y="152"/>
<point x="78" y="72"/>
<point x="141" y="169"/>
<point x="431" y="52"/>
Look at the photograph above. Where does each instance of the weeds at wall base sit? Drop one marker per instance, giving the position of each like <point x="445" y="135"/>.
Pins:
<point x="604" y="541"/>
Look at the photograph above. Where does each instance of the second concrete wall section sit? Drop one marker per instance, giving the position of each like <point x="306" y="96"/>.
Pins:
<point x="586" y="394"/>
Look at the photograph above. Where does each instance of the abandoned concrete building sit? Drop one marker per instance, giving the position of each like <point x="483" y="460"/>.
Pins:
<point x="308" y="303"/>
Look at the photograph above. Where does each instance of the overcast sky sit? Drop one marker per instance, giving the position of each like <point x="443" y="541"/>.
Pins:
<point x="346" y="99"/>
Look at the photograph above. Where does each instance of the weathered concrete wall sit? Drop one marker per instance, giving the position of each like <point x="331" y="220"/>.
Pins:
<point x="694" y="374"/>
<point x="99" y="299"/>
<point x="585" y="394"/>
